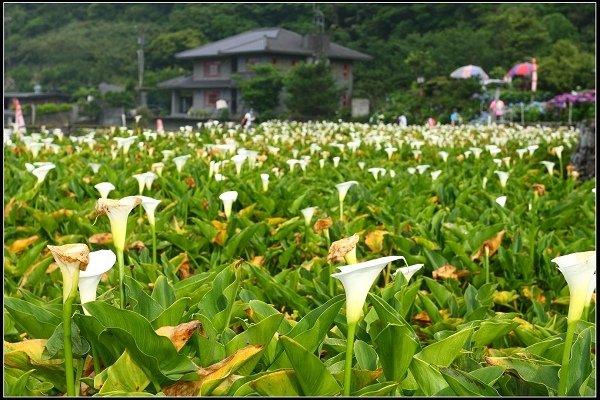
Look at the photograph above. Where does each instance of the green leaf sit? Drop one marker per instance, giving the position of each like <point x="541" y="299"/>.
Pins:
<point x="172" y="316"/>
<point x="534" y="370"/>
<point x="122" y="376"/>
<point x="436" y="260"/>
<point x="491" y="330"/>
<point x="377" y="389"/>
<point x="241" y="240"/>
<point x="464" y="384"/>
<point x="366" y="357"/>
<point x="37" y="322"/>
<point x="429" y="379"/>
<point x="396" y="347"/>
<point x="163" y="293"/>
<point x="217" y="303"/>
<point x="155" y="354"/>
<point x="580" y="363"/>
<point x="444" y="352"/>
<point x="313" y="377"/>
<point x="430" y="308"/>
<point x="439" y="292"/>
<point x="55" y="345"/>
<point x="280" y="383"/>
<point x="141" y="301"/>
<point x="488" y="375"/>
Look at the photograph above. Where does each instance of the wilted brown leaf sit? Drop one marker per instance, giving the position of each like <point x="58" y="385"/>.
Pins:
<point x="21" y="244"/>
<point x="184" y="267"/>
<point x="101" y="238"/>
<point x="422" y="317"/>
<point x="323" y="223"/>
<point x="179" y="334"/>
<point x="449" y="272"/>
<point x="492" y="245"/>
<point x="374" y="240"/>
<point x="137" y="245"/>
<point x="341" y="247"/>
<point x="9" y="206"/>
<point x="190" y="182"/>
<point x="539" y="188"/>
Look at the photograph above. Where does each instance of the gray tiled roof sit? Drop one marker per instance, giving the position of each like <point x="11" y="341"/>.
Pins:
<point x="267" y="40"/>
<point x="187" y="82"/>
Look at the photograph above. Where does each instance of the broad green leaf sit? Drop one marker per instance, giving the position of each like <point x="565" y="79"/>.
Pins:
<point x="491" y="330"/>
<point x="443" y="352"/>
<point x="280" y="383"/>
<point x="172" y="315"/>
<point x="430" y="308"/>
<point x="217" y="303"/>
<point x="163" y="293"/>
<point x="240" y="240"/>
<point x="124" y="375"/>
<point x="439" y="292"/>
<point x="366" y="357"/>
<point x="535" y="370"/>
<point x="36" y="321"/>
<point x="377" y="389"/>
<point x="141" y="301"/>
<point x="360" y="378"/>
<point x="55" y="345"/>
<point x="488" y="375"/>
<point x="313" y="377"/>
<point x="429" y="379"/>
<point x="464" y="384"/>
<point x="396" y="347"/>
<point x="155" y="354"/>
<point x="580" y="363"/>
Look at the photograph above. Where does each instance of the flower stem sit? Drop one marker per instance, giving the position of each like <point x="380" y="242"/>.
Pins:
<point x="341" y="211"/>
<point x="154" y="245"/>
<point x="331" y="282"/>
<point x="121" y="276"/>
<point x="68" y="350"/>
<point x="349" y="353"/>
<point x="564" y="370"/>
<point x="486" y="264"/>
<point x="95" y="359"/>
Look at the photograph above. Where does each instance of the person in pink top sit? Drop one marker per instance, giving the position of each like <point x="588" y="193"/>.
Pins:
<point x="497" y="110"/>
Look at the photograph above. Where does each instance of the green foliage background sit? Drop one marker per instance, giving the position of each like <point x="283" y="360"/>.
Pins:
<point x="98" y="42"/>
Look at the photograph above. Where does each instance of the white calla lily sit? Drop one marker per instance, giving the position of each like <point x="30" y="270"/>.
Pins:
<point x="100" y="262"/>
<point x="578" y="270"/>
<point x="104" y="188"/>
<point x="117" y="212"/>
<point x="71" y="259"/>
<point x="228" y="198"/>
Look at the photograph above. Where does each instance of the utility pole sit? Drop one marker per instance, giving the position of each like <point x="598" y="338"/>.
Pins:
<point x="142" y="93"/>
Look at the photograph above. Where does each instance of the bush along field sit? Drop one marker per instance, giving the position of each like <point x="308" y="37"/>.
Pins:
<point x="218" y="261"/>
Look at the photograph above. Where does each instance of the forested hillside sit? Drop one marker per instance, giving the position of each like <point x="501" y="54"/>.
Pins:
<point x="67" y="47"/>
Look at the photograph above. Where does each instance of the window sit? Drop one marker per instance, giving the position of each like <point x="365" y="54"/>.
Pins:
<point x="346" y="73"/>
<point x="212" y="69"/>
<point x="211" y="97"/>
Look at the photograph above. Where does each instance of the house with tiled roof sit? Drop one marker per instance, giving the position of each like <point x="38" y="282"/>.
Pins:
<point x="215" y="64"/>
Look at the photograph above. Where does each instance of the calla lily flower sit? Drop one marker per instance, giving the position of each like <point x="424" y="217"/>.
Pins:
<point x="336" y="161"/>
<point x="71" y="259"/>
<point x="435" y="174"/>
<point x="390" y="151"/>
<point x="503" y="177"/>
<point x="149" y="177"/>
<point x="408" y="271"/>
<point x="343" y="189"/>
<point x="95" y="167"/>
<point x="158" y="167"/>
<point x="558" y="151"/>
<point x="501" y="200"/>
<point x="180" y="162"/>
<point x="476" y="152"/>
<point x="308" y="214"/>
<point x="167" y="154"/>
<point x="117" y="212"/>
<point x="578" y="270"/>
<point x="219" y="177"/>
<point x="443" y="155"/>
<point x="532" y="148"/>
<point x="100" y="262"/>
<point x="104" y="188"/>
<point x="149" y="205"/>
<point x="35" y="148"/>
<point x="238" y="160"/>
<point x="376" y="171"/>
<point x="357" y="279"/>
<point x="228" y="198"/>
<point x="549" y="166"/>
<point x="141" y="182"/>
<point x="411" y="170"/>
<point x="521" y="153"/>
<point x="361" y="164"/>
<point x="484" y="182"/>
<point x="41" y="172"/>
<point x="322" y="163"/>
<point x="422" y="168"/>
<point x="265" y="181"/>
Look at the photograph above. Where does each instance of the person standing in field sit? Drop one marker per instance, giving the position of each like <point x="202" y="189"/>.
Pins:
<point x="497" y="110"/>
<point x="248" y="119"/>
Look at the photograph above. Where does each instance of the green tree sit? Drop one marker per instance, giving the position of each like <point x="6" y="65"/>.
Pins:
<point x="162" y="49"/>
<point x="311" y="91"/>
<point x="566" y="68"/>
<point x="262" y="90"/>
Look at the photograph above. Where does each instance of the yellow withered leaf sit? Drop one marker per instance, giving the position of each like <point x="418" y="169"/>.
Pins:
<point x="492" y="245"/>
<point x="449" y="272"/>
<point x="179" y="334"/>
<point x="220" y="238"/>
<point x="101" y="238"/>
<point x="275" y="221"/>
<point x="211" y="377"/>
<point x="258" y="261"/>
<point x="374" y="240"/>
<point x="341" y="247"/>
<point x="137" y="245"/>
<point x="21" y="244"/>
<point x="219" y="225"/>
<point x="247" y="212"/>
<point x="322" y="224"/>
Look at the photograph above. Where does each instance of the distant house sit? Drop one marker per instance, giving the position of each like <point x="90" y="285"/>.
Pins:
<point x="215" y="64"/>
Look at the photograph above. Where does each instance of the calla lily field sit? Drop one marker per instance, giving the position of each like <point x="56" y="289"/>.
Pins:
<point x="298" y="259"/>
